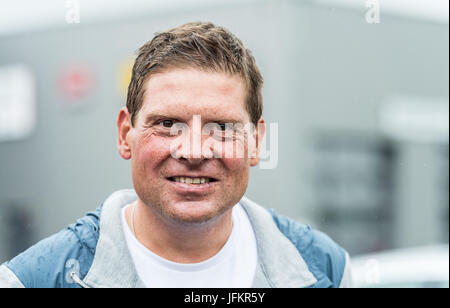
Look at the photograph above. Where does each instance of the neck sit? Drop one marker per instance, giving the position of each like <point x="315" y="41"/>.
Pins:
<point x="181" y="243"/>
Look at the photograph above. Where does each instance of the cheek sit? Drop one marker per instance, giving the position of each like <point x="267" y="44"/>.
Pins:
<point x="238" y="168"/>
<point x="151" y="150"/>
<point x="238" y="177"/>
<point x="233" y="151"/>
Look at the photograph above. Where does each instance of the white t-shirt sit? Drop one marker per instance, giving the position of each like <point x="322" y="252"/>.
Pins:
<point x="232" y="267"/>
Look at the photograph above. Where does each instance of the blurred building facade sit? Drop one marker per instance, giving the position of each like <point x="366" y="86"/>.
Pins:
<point x="329" y="78"/>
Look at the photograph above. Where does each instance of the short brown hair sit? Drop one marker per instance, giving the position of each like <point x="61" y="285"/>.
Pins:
<point x="196" y="45"/>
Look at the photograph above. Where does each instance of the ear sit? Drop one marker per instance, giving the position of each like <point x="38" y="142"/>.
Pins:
<point x="259" y="135"/>
<point x="125" y="128"/>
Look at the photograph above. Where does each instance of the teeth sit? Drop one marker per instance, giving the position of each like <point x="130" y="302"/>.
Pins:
<point x="191" y="180"/>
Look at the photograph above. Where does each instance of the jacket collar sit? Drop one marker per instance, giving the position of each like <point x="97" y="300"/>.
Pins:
<point x="113" y="266"/>
<point x="280" y="264"/>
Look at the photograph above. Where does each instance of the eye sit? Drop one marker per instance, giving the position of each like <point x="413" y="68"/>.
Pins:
<point x="222" y="126"/>
<point x="166" y="123"/>
<point x="225" y="129"/>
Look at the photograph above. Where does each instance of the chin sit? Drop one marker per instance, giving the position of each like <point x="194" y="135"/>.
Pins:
<point x="193" y="213"/>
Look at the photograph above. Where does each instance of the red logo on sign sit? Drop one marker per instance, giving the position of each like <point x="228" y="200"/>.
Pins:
<point x="75" y="82"/>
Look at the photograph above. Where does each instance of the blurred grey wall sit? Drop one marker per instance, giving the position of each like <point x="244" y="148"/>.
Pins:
<point x="326" y="72"/>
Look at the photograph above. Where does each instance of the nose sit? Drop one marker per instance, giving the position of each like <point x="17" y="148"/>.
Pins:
<point x="190" y="146"/>
<point x="193" y="155"/>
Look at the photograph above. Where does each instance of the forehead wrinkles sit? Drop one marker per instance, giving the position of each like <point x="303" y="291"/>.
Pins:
<point x="195" y="82"/>
<point x="195" y="92"/>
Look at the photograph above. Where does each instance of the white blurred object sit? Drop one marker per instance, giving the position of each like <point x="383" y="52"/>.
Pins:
<point x="430" y="10"/>
<point x="31" y="15"/>
<point x="416" y="267"/>
<point x="17" y="102"/>
<point x="412" y="119"/>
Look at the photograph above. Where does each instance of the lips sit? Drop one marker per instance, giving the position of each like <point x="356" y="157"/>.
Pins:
<point x="192" y="179"/>
<point x="193" y="184"/>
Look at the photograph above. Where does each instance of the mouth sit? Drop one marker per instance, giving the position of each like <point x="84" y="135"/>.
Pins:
<point x="192" y="180"/>
<point x="193" y="186"/>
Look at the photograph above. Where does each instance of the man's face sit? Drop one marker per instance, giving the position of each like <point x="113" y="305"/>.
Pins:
<point x="187" y="177"/>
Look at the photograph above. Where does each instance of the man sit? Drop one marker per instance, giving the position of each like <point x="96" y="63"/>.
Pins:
<point x="192" y="128"/>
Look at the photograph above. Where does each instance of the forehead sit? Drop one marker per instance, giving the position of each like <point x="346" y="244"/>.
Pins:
<point x="183" y="93"/>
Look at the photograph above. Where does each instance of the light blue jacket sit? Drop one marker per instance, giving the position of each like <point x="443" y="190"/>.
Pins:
<point x="93" y="253"/>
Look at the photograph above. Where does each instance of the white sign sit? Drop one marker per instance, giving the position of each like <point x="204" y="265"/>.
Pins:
<point x="17" y="102"/>
<point x="414" y="119"/>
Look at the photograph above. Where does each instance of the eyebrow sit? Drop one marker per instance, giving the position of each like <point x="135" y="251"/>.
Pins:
<point x="152" y="117"/>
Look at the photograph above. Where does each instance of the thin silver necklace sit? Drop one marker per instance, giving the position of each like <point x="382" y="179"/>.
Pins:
<point x="132" y="220"/>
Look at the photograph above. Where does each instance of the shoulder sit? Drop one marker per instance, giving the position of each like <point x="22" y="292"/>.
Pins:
<point x="48" y="263"/>
<point x="325" y="258"/>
